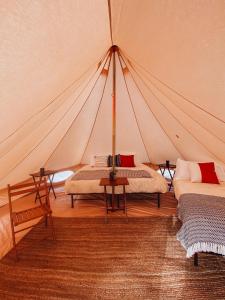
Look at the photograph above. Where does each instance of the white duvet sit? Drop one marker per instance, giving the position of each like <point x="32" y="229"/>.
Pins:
<point x="182" y="186"/>
<point x="155" y="184"/>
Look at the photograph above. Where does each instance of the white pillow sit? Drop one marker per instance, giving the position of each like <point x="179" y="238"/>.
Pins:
<point x="195" y="172"/>
<point x="220" y="172"/>
<point x="196" y="175"/>
<point x="182" y="169"/>
<point x="99" y="160"/>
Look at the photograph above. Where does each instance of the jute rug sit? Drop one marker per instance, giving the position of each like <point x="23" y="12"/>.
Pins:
<point x="93" y="260"/>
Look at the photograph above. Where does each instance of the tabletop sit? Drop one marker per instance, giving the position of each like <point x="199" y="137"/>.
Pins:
<point x="117" y="181"/>
<point x="46" y="173"/>
<point x="170" y="166"/>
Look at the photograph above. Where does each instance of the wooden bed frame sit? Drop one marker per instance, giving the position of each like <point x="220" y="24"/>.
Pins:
<point x="72" y="195"/>
<point x="196" y="255"/>
<point x="196" y="258"/>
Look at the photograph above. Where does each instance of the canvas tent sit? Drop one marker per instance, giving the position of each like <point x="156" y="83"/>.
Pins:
<point x="56" y="81"/>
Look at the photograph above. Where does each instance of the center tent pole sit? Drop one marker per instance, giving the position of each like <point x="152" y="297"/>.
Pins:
<point x="114" y="49"/>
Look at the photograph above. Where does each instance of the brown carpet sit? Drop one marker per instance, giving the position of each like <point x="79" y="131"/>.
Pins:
<point x="93" y="260"/>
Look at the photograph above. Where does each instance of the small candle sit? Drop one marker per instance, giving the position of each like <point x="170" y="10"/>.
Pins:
<point x="42" y="171"/>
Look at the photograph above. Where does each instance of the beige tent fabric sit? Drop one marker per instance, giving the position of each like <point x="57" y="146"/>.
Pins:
<point x="56" y="101"/>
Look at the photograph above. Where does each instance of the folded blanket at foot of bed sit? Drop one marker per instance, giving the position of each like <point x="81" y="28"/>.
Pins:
<point x="98" y="174"/>
<point x="203" y="223"/>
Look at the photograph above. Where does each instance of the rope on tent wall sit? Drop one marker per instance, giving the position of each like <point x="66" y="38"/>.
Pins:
<point x="96" y="115"/>
<point x="60" y="141"/>
<point x="110" y="20"/>
<point x="173" y="115"/>
<point x="154" y="115"/>
<point x="162" y="92"/>
<point x="72" y="104"/>
<point x="131" y="102"/>
<point x="176" y="92"/>
<point x="53" y="100"/>
<point x="157" y="98"/>
<point x="50" y="113"/>
<point x="162" y="104"/>
<point x="67" y="111"/>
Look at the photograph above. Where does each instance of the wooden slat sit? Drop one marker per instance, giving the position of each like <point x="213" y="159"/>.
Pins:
<point x="30" y="214"/>
<point x="28" y="191"/>
<point x="23" y="192"/>
<point x="20" y="186"/>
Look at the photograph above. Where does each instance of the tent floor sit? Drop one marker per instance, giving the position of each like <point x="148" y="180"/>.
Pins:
<point x="138" y="206"/>
<point x="92" y="260"/>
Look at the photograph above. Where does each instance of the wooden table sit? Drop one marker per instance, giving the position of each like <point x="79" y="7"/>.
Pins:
<point x="169" y="167"/>
<point x="120" y="181"/>
<point x="50" y="176"/>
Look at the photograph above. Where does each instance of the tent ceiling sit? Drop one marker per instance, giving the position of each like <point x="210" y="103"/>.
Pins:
<point x="56" y="101"/>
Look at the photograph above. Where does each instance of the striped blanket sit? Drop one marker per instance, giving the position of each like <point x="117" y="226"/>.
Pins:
<point x="203" y="223"/>
<point x="98" y="174"/>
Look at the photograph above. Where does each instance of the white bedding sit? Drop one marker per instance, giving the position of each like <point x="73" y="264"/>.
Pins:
<point x="136" y="185"/>
<point x="182" y="186"/>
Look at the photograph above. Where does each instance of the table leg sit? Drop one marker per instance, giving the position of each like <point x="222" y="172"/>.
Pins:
<point x="158" y="199"/>
<point x="171" y="177"/>
<point x="160" y="170"/>
<point x="113" y="197"/>
<point x="51" y="184"/>
<point x="196" y="259"/>
<point x="163" y="171"/>
<point x="72" y="204"/>
<point x="125" y="201"/>
<point x="37" y="196"/>
<point x="35" y="186"/>
<point x="110" y="199"/>
<point x="106" y="205"/>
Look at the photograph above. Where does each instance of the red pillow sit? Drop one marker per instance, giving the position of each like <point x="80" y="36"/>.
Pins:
<point x="127" y="161"/>
<point x="208" y="173"/>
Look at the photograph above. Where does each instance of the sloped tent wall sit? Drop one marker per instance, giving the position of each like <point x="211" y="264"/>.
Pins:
<point x="45" y="48"/>
<point x="56" y="102"/>
<point x="177" y="47"/>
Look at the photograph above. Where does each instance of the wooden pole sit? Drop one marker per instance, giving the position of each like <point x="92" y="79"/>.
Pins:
<point x="114" y="49"/>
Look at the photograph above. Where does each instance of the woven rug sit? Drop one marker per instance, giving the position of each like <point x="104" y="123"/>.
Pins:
<point x="93" y="260"/>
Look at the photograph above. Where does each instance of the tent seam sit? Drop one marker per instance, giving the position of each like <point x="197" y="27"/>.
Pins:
<point x="157" y="98"/>
<point x="75" y="117"/>
<point x="162" y="127"/>
<point x="136" y="119"/>
<point x="176" y="92"/>
<point x="96" y="116"/>
<point x="53" y="127"/>
<point x="183" y="110"/>
<point x="50" y="103"/>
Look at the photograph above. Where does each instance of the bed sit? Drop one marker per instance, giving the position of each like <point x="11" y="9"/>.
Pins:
<point x="151" y="182"/>
<point x="182" y="186"/>
<point x="201" y="209"/>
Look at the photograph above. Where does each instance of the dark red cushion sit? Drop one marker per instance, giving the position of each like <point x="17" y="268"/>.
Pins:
<point x="127" y="161"/>
<point x="208" y="173"/>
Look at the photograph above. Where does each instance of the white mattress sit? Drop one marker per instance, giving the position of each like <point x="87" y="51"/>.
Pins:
<point x="155" y="184"/>
<point x="186" y="186"/>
